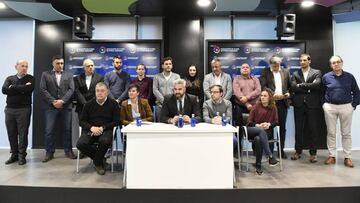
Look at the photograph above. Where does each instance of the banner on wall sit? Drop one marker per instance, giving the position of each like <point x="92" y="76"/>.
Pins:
<point x="102" y="53"/>
<point x="233" y="53"/>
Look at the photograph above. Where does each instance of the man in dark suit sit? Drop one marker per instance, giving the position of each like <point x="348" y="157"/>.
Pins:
<point x="305" y="85"/>
<point x="179" y="103"/>
<point x="85" y="85"/>
<point x="278" y="80"/>
<point x="57" y="88"/>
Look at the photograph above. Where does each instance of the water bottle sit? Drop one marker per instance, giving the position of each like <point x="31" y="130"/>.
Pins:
<point x="223" y="119"/>
<point x="180" y="121"/>
<point x="193" y="120"/>
<point x="138" y="121"/>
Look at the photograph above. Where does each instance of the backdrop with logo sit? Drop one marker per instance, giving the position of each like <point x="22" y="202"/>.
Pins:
<point x="233" y="53"/>
<point x="102" y="53"/>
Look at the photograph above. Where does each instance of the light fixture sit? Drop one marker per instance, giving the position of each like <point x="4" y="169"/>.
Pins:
<point x="203" y="3"/>
<point x="307" y="4"/>
<point x="2" y="5"/>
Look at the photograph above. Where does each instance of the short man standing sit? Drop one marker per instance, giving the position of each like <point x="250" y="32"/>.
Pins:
<point x="118" y="81"/>
<point x="179" y="103"/>
<point x="57" y="89"/>
<point x="214" y="108"/>
<point x="341" y="97"/>
<point x="18" y="89"/>
<point x="145" y="84"/>
<point x="305" y="85"/>
<point x="217" y="77"/>
<point x="99" y="116"/>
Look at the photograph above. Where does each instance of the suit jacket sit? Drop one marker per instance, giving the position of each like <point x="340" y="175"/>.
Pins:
<point x="169" y="108"/>
<point x="306" y="92"/>
<point x="126" y="111"/>
<point x="50" y="91"/>
<point x="267" y="81"/>
<point x="82" y="93"/>
<point x="226" y="84"/>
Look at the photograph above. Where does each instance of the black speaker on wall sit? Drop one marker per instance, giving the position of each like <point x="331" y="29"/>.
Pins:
<point x="83" y="27"/>
<point x="286" y="25"/>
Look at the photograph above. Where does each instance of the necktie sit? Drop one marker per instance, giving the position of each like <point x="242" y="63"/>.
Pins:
<point x="180" y="106"/>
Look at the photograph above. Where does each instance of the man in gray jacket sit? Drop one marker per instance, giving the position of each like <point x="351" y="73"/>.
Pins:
<point x="217" y="77"/>
<point x="214" y="108"/>
<point x="57" y="88"/>
<point x="163" y="83"/>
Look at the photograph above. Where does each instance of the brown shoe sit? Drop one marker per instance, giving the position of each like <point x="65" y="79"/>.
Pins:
<point x="296" y="156"/>
<point x="312" y="159"/>
<point x="330" y="160"/>
<point x="348" y="163"/>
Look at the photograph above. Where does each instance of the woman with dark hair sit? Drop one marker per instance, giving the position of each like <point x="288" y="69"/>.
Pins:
<point x="135" y="107"/>
<point x="194" y="85"/>
<point x="263" y="117"/>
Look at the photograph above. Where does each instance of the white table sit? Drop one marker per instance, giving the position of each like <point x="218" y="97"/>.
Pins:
<point x="165" y="156"/>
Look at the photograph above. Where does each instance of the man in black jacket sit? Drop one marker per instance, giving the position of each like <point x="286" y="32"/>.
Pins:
<point x="18" y="89"/>
<point x="305" y="85"/>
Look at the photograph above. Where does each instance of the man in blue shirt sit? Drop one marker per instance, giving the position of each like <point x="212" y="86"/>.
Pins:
<point x="340" y="100"/>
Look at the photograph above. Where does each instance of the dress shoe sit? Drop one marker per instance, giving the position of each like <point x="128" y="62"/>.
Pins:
<point x="70" y="155"/>
<point x="273" y="161"/>
<point x="312" y="159"/>
<point x="81" y="156"/>
<point x="330" y="160"/>
<point x="48" y="157"/>
<point x="296" y="156"/>
<point x="22" y="161"/>
<point x="100" y="170"/>
<point x="283" y="155"/>
<point x="11" y="160"/>
<point x="348" y="163"/>
<point x="258" y="170"/>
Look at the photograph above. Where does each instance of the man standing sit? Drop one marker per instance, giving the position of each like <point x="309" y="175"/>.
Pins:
<point x="118" y="81"/>
<point x="164" y="83"/>
<point x="99" y="116"/>
<point x="305" y="85"/>
<point x="278" y="80"/>
<point x="217" y="77"/>
<point x="18" y="89"/>
<point x="214" y="108"/>
<point x="57" y="88"/>
<point x="179" y="103"/>
<point x="85" y="85"/>
<point x="341" y="97"/>
<point x="145" y="84"/>
<point x="247" y="90"/>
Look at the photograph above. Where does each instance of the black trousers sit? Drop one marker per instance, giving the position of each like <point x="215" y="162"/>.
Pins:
<point x="237" y="114"/>
<point x="306" y="122"/>
<point x="282" y="110"/>
<point x="96" y="152"/>
<point x="17" y="125"/>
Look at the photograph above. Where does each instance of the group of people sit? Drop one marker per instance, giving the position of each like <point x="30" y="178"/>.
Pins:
<point x="103" y="103"/>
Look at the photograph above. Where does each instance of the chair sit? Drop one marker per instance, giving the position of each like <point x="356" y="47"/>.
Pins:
<point x="111" y="148"/>
<point x="247" y="142"/>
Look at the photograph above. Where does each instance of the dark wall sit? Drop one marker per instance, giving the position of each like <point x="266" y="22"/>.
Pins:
<point x="184" y="42"/>
<point x="49" y="39"/>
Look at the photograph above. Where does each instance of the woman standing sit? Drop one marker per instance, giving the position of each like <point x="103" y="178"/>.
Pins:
<point x="194" y="85"/>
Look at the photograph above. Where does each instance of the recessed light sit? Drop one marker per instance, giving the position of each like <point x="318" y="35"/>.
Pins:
<point x="2" y="5"/>
<point x="307" y="4"/>
<point x="203" y="3"/>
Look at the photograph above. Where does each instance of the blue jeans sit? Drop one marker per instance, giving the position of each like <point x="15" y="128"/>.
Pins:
<point x="58" y="117"/>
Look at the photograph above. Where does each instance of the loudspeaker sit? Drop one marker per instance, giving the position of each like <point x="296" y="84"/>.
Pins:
<point x="83" y="26"/>
<point x="286" y="25"/>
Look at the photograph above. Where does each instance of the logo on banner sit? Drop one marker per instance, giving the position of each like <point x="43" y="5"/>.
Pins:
<point x="247" y="50"/>
<point x="216" y="49"/>
<point x="277" y="50"/>
<point x="72" y="51"/>
<point x="102" y="50"/>
<point x="132" y="50"/>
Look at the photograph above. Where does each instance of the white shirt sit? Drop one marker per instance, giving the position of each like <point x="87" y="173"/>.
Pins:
<point x="306" y="73"/>
<point x="88" y="81"/>
<point x="167" y="77"/>
<point x="58" y="78"/>
<point x="278" y="83"/>
<point x="102" y="102"/>
<point x="217" y="79"/>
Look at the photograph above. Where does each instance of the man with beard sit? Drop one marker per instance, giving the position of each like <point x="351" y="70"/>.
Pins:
<point x="179" y="103"/>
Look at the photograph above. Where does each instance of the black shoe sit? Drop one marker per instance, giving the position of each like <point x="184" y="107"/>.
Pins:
<point x="70" y="155"/>
<point x="22" y="161"/>
<point x="81" y="156"/>
<point x="48" y="157"/>
<point x="100" y="170"/>
<point x="258" y="170"/>
<point x="11" y="160"/>
<point x="283" y="155"/>
<point x="273" y="161"/>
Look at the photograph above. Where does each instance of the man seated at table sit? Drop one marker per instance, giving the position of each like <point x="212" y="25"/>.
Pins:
<point x="214" y="108"/>
<point x="179" y="103"/>
<point x="99" y="116"/>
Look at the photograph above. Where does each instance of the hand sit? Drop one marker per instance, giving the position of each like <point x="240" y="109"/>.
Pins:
<point x="28" y="83"/>
<point x="186" y="118"/>
<point x="286" y="95"/>
<point x="249" y="107"/>
<point x="96" y="131"/>
<point x="216" y="120"/>
<point x="174" y="120"/>
<point x="58" y="104"/>
<point x="243" y="99"/>
<point x="278" y="96"/>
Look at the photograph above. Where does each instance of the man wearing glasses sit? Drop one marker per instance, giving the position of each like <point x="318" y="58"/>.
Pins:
<point x="57" y="88"/>
<point x="340" y="100"/>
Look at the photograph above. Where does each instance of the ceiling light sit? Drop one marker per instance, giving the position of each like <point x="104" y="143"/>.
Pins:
<point x="203" y="3"/>
<point x="307" y="4"/>
<point x="2" y="5"/>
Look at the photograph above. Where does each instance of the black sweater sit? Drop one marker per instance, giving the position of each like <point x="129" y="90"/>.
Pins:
<point x="18" y="93"/>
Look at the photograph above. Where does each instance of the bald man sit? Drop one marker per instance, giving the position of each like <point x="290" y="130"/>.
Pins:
<point x="18" y="88"/>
